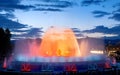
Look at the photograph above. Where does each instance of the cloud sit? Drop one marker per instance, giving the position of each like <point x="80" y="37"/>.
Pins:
<point x="98" y="13"/>
<point x="100" y="28"/>
<point x="103" y="29"/>
<point x="19" y="30"/>
<point x="22" y="7"/>
<point x="12" y="25"/>
<point x="56" y="3"/>
<point x="116" y="5"/>
<point x="30" y="33"/>
<point x="47" y="9"/>
<point x="53" y="5"/>
<point x="34" y="32"/>
<point x="10" y="6"/>
<point x="41" y="5"/>
<point x="90" y="2"/>
<point x="108" y="32"/>
<point x="115" y="16"/>
<point x="98" y="32"/>
<point x="7" y="23"/>
<point x="15" y="27"/>
<point x="77" y="32"/>
<point x="116" y="12"/>
<point x="8" y="15"/>
<point x="5" y="3"/>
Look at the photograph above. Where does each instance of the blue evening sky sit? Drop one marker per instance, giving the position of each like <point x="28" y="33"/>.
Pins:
<point x="31" y="18"/>
<point x="74" y="16"/>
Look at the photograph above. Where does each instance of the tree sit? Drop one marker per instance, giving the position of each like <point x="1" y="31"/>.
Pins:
<point x="2" y="51"/>
<point x="5" y="44"/>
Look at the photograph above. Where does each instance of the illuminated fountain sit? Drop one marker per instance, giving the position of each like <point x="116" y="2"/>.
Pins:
<point x="59" y="42"/>
<point x="57" y="45"/>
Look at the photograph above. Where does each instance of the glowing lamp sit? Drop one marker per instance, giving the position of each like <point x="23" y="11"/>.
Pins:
<point x="96" y="52"/>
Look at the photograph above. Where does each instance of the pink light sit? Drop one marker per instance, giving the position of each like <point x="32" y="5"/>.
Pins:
<point x="70" y="68"/>
<point x="114" y="61"/>
<point x="5" y="64"/>
<point x="26" y="67"/>
<point x="107" y="65"/>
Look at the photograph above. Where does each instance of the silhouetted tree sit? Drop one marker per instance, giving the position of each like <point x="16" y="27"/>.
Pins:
<point x="8" y="42"/>
<point x="5" y="44"/>
<point x="118" y="55"/>
<point x="118" y="52"/>
<point x="2" y="51"/>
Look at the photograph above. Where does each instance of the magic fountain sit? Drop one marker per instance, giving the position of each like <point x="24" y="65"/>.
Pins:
<point x="58" y="50"/>
<point x="59" y="42"/>
<point x="57" y="45"/>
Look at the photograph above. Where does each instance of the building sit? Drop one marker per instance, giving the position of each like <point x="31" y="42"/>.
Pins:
<point x="113" y="50"/>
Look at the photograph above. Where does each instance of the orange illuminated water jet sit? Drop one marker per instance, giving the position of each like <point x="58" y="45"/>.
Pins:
<point x="59" y="42"/>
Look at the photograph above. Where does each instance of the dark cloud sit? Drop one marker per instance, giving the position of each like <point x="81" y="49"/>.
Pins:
<point x="116" y="5"/>
<point x="10" y="6"/>
<point x="115" y="16"/>
<point x="48" y="0"/>
<point x="90" y="2"/>
<point x="101" y="29"/>
<point x="77" y="32"/>
<point x="100" y="13"/>
<point x="13" y="7"/>
<point x="116" y="13"/>
<point x="56" y="4"/>
<point x="30" y="33"/>
<point x="12" y="25"/>
<point x="79" y="35"/>
<point x="53" y="5"/>
<point x="43" y="5"/>
<point x="47" y="9"/>
<point x="16" y="27"/>
<point x="113" y="32"/>
<point x="7" y="23"/>
<point x="5" y="3"/>
<point x="9" y="2"/>
<point x="106" y="30"/>
<point x="34" y="32"/>
<point x="115" y="29"/>
<point x="8" y="15"/>
<point x="19" y="30"/>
